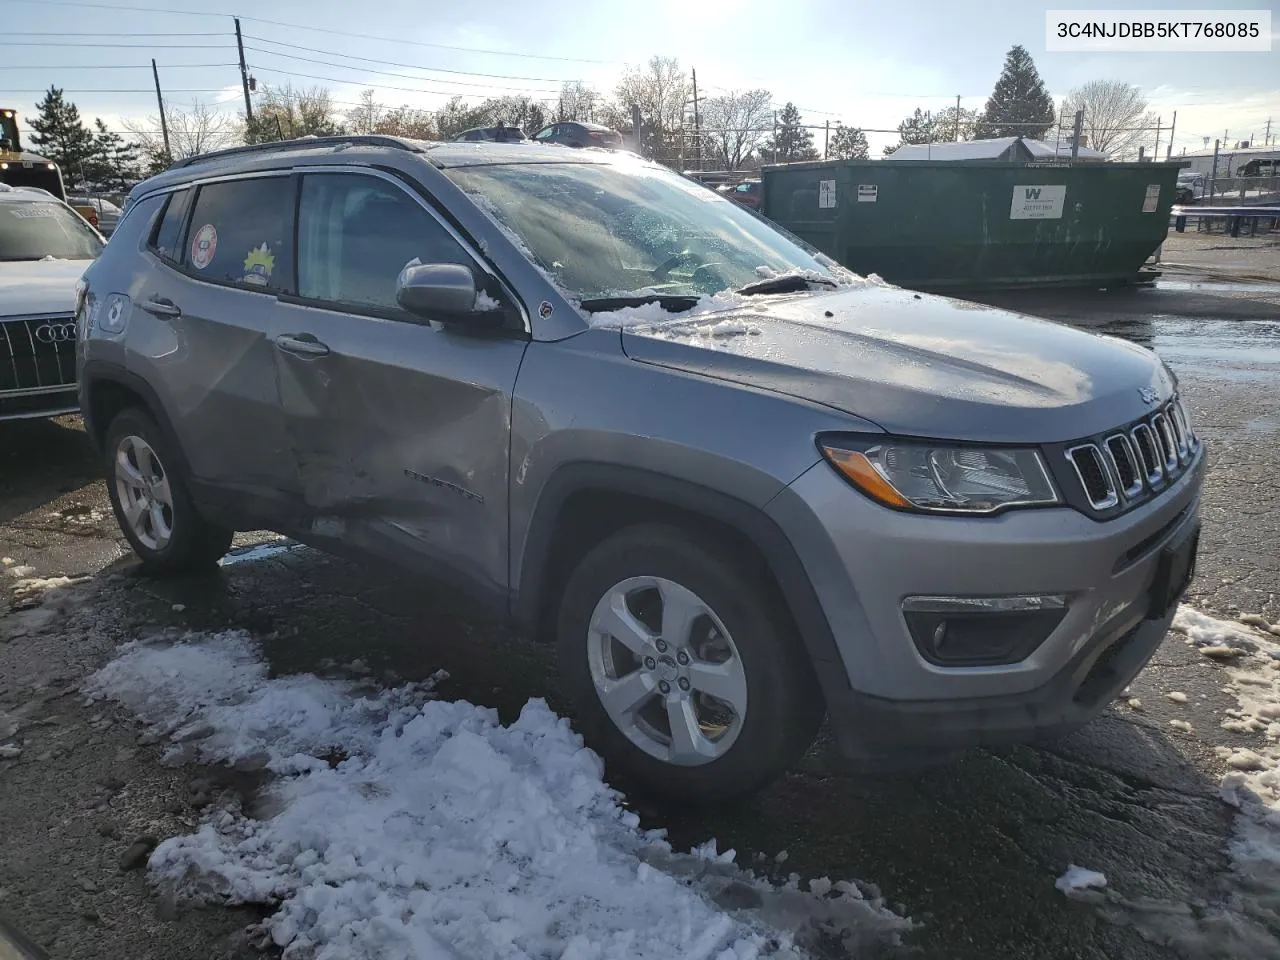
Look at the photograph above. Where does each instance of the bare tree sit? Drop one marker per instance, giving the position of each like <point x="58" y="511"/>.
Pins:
<point x="577" y="102"/>
<point x="407" y="121"/>
<point x="1112" y="111"/>
<point x="661" y="90"/>
<point x="283" y="113"/>
<point x="366" y="117"/>
<point x="734" y="125"/>
<point x="191" y="132"/>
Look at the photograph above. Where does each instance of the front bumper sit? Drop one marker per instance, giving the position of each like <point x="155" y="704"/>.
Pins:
<point x="863" y="560"/>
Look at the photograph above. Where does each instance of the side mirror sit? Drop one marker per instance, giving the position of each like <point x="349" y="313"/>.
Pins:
<point x="437" y="291"/>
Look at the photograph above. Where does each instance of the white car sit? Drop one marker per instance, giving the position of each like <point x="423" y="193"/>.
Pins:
<point x="45" y="246"/>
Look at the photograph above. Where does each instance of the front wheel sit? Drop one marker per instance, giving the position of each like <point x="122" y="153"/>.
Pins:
<point x="686" y="676"/>
<point x="151" y="500"/>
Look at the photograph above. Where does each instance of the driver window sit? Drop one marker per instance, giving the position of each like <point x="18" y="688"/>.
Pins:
<point x="356" y="233"/>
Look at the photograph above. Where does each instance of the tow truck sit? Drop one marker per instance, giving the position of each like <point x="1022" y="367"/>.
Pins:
<point x="22" y="168"/>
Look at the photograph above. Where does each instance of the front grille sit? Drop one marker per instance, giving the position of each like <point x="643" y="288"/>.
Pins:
<point x="37" y="353"/>
<point x="1125" y="467"/>
<point x="1091" y="468"/>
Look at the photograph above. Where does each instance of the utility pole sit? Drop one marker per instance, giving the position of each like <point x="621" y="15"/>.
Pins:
<point x="775" y="136"/>
<point x="244" y="76"/>
<point x="697" y="123"/>
<point x="164" y="122"/>
<point x="1213" y="175"/>
<point x="826" y="139"/>
<point x="1156" y="152"/>
<point x="1172" y="127"/>
<point x="957" y="118"/>
<point x="1268" y="137"/>
<point x="1075" y="134"/>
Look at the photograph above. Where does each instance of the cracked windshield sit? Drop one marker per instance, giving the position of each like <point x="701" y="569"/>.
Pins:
<point x="665" y="481"/>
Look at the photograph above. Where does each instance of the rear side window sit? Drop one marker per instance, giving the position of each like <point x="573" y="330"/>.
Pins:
<point x="241" y="232"/>
<point x="168" y="241"/>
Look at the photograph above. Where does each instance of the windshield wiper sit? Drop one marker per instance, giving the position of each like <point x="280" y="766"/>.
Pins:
<point x="787" y="283"/>
<point x="670" y="302"/>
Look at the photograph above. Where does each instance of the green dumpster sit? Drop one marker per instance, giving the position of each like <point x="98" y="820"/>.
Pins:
<point x="938" y="224"/>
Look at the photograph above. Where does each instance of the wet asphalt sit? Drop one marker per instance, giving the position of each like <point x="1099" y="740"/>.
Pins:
<point x="969" y="851"/>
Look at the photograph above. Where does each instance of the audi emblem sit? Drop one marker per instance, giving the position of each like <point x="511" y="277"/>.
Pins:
<point x="56" y="332"/>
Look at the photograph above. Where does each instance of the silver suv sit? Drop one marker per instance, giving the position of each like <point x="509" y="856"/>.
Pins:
<point x="737" y="486"/>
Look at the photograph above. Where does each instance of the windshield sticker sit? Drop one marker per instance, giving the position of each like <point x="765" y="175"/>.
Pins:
<point x="258" y="266"/>
<point x="203" y="246"/>
<point x="33" y="211"/>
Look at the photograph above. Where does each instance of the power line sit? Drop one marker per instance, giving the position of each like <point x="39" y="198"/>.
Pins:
<point x="125" y="46"/>
<point x="103" y="33"/>
<point x="148" y="90"/>
<point x="393" y="63"/>
<point x="112" y="66"/>
<point x="354" y="81"/>
<point x="302" y="26"/>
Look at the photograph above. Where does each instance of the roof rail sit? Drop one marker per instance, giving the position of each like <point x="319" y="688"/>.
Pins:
<point x="302" y="143"/>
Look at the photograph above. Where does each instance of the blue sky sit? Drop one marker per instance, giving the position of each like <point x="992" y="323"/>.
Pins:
<point x="863" y="64"/>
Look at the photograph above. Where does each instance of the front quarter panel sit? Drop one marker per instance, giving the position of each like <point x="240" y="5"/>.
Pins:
<point x="582" y="401"/>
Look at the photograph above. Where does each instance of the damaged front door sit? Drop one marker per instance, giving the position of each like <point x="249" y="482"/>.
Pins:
<point x="399" y="427"/>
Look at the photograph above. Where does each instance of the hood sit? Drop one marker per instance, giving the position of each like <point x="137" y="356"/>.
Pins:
<point x="39" y="286"/>
<point x="917" y="365"/>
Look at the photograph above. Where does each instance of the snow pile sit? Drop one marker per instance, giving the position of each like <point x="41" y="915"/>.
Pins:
<point x="1080" y="878"/>
<point x="402" y="826"/>
<point x="1253" y="784"/>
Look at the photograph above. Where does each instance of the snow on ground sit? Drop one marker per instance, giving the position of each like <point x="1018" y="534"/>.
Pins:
<point x="401" y="826"/>
<point x="1080" y="878"/>
<point x="1252" y="784"/>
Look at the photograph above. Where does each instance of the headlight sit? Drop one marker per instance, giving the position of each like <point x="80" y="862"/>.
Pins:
<point x="940" y="478"/>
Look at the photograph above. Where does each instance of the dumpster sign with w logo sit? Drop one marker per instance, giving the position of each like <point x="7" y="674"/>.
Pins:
<point x="1038" y="201"/>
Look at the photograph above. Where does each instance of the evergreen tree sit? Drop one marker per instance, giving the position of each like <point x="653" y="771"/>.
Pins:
<point x="848" y="143"/>
<point x="115" y="165"/>
<point x="1019" y="105"/>
<point x="59" y="134"/>
<point x="792" y="141"/>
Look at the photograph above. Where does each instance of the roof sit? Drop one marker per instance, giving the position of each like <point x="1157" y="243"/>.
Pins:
<point x="1274" y="149"/>
<point x="10" y="194"/>
<point x="988" y="150"/>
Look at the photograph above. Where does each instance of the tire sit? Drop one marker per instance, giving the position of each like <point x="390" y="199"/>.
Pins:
<point x="142" y="469"/>
<point x="725" y="753"/>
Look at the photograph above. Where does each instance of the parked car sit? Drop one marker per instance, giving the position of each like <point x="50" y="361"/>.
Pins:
<point x="105" y="214"/>
<point x="576" y="134"/>
<point x="498" y="134"/>
<point x="1191" y="187"/>
<point x="44" y="248"/>
<point x="809" y="494"/>
<point x="748" y="193"/>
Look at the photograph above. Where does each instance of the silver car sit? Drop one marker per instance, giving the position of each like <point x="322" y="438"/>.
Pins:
<point x="737" y="487"/>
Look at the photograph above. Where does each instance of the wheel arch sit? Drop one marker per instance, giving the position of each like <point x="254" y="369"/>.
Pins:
<point x="582" y="503"/>
<point x="106" y="389"/>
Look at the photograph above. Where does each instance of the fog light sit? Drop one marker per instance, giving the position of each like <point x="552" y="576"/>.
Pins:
<point x="981" y="631"/>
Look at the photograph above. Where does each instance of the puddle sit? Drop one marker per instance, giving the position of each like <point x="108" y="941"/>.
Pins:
<point x="1231" y="349"/>
<point x="259" y="551"/>
<point x="1259" y="288"/>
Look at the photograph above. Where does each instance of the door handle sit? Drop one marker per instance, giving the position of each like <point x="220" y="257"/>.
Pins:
<point x="302" y="345"/>
<point x="161" y="307"/>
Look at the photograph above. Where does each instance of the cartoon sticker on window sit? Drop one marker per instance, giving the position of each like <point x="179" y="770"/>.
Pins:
<point x="203" y="246"/>
<point x="258" y="266"/>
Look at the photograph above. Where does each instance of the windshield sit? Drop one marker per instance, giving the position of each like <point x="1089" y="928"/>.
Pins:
<point x="33" y="231"/>
<point x="617" y="230"/>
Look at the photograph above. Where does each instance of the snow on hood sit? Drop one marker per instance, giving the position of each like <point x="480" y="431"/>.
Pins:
<point x="39" y="286"/>
<point x="915" y="364"/>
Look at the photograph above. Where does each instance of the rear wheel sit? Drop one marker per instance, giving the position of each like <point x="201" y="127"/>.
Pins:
<point x="686" y="676"/>
<point x="151" y="500"/>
